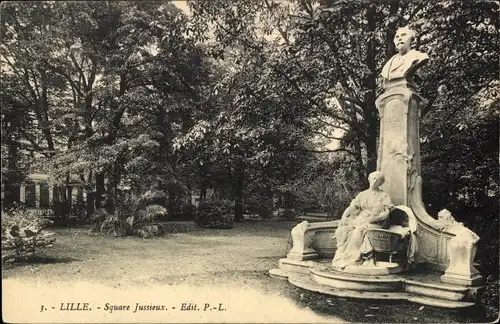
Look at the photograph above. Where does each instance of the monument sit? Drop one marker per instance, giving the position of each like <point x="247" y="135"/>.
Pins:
<point x="386" y="245"/>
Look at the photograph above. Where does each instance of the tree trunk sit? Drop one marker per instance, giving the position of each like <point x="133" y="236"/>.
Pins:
<point x="287" y="206"/>
<point x="115" y="124"/>
<point x="111" y="200"/>
<point x="203" y="191"/>
<point x="90" y="195"/>
<point x="90" y="203"/>
<point x="171" y="210"/>
<point x="238" y="189"/>
<point x="389" y="38"/>
<point x="44" y="113"/>
<point x="114" y="181"/>
<point x="266" y="208"/>
<point x="100" y="190"/>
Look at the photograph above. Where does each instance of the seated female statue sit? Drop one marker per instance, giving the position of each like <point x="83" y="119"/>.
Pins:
<point x="370" y="209"/>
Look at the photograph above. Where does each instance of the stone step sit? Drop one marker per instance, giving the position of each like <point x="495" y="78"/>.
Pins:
<point x="278" y="273"/>
<point x="389" y="283"/>
<point x="305" y="282"/>
<point x="365" y="284"/>
<point x="312" y="218"/>
<point x="429" y="301"/>
<point x="430" y="290"/>
<point x="290" y="265"/>
<point x="324" y="272"/>
<point x="308" y="284"/>
<point x="316" y="214"/>
<point x="442" y="286"/>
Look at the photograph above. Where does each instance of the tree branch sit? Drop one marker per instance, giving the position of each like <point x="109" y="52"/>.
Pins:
<point x="310" y="100"/>
<point x="332" y="125"/>
<point x="60" y="71"/>
<point x="322" y="151"/>
<point x="278" y="27"/>
<point x="329" y="137"/>
<point x="79" y="69"/>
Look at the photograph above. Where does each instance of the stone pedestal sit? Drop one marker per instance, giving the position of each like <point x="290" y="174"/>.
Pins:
<point x="461" y="279"/>
<point x="462" y="249"/>
<point x="302" y="239"/>
<point x="399" y="147"/>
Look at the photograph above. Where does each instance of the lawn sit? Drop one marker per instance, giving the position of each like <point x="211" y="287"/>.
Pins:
<point x="191" y="266"/>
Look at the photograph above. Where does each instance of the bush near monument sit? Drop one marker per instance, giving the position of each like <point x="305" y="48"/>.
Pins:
<point x="215" y="214"/>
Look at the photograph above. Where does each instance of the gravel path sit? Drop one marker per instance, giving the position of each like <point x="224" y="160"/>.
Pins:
<point x="192" y="267"/>
<point x="199" y="267"/>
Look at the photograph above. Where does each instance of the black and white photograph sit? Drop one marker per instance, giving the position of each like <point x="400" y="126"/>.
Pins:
<point x="250" y="161"/>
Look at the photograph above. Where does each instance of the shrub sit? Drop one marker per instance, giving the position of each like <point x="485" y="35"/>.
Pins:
<point x="134" y="215"/>
<point x="489" y="298"/>
<point x="23" y="232"/>
<point x="78" y="212"/>
<point x="184" y="212"/>
<point x="150" y="230"/>
<point x="65" y="215"/>
<point x="257" y="203"/>
<point x="188" y="211"/>
<point x="215" y="214"/>
<point x="60" y="210"/>
<point x="142" y="221"/>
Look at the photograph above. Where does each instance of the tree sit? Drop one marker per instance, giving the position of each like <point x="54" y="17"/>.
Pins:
<point x="309" y="53"/>
<point x="15" y="123"/>
<point x="110" y="83"/>
<point x="29" y="89"/>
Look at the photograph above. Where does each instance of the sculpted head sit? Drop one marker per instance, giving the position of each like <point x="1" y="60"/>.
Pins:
<point x="403" y="39"/>
<point x="376" y="179"/>
<point x="445" y="215"/>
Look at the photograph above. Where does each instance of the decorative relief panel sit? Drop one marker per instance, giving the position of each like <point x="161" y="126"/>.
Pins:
<point x="394" y="149"/>
<point x="428" y="244"/>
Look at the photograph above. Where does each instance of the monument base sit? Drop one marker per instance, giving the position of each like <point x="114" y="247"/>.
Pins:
<point x="311" y="255"/>
<point x="424" y="287"/>
<point x="473" y="280"/>
<point x="382" y="268"/>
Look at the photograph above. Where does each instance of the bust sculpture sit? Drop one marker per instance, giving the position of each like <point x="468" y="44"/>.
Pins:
<point x="406" y="62"/>
<point x="370" y="209"/>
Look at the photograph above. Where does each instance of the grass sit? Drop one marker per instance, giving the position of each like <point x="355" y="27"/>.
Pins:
<point x="228" y="259"/>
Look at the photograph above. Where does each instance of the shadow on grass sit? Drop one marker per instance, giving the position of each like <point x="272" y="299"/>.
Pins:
<point x="378" y="311"/>
<point x="247" y="228"/>
<point x="11" y="263"/>
<point x="251" y="228"/>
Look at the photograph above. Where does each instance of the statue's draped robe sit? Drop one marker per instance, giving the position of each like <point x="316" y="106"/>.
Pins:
<point x="351" y="243"/>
